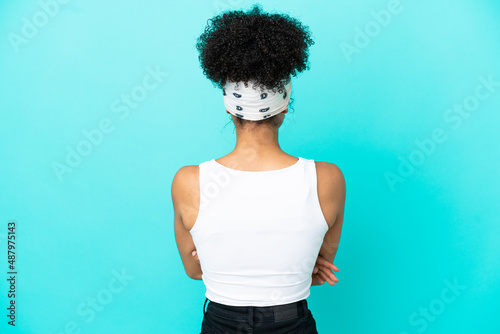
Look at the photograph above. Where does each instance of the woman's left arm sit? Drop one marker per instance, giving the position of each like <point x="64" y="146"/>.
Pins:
<point x="183" y="181"/>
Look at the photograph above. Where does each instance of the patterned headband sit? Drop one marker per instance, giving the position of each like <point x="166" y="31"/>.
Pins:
<point x="254" y="104"/>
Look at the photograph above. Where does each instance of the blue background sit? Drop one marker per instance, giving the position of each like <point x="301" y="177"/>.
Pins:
<point x="111" y="214"/>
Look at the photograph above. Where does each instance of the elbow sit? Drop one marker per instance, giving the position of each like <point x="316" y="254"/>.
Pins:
<point x="195" y="276"/>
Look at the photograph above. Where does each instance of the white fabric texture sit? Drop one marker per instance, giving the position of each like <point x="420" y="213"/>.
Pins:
<point x="254" y="104"/>
<point x="258" y="233"/>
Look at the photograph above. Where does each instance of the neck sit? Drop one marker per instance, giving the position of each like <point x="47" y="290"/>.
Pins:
<point x="258" y="142"/>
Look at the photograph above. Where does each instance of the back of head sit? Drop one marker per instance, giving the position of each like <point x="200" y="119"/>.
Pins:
<point x="254" y="46"/>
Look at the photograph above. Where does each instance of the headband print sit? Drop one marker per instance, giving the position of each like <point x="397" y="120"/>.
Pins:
<point x="252" y="104"/>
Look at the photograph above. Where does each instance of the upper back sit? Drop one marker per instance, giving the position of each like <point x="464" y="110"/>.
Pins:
<point x="258" y="233"/>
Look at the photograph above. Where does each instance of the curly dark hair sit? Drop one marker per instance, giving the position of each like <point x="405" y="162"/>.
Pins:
<point x="254" y="46"/>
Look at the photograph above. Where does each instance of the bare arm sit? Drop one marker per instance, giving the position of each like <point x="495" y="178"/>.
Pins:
<point x="332" y="192"/>
<point x="184" y="181"/>
<point x="331" y="240"/>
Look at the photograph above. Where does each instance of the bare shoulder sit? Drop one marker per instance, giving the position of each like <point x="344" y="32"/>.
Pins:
<point x="330" y="174"/>
<point x="186" y="195"/>
<point x="331" y="190"/>
<point x="185" y="180"/>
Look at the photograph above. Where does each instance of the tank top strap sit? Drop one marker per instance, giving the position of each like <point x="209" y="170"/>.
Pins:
<point x="211" y="180"/>
<point x="312" y="177"/>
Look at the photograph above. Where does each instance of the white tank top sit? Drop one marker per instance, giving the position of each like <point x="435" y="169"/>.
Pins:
<point x="258" y="233"/>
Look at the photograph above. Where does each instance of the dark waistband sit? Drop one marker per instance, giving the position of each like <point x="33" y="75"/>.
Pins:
<point x="262" y="313"/>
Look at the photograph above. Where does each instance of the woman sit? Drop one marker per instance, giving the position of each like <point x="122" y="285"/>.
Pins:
<point x="258" y="226"/>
